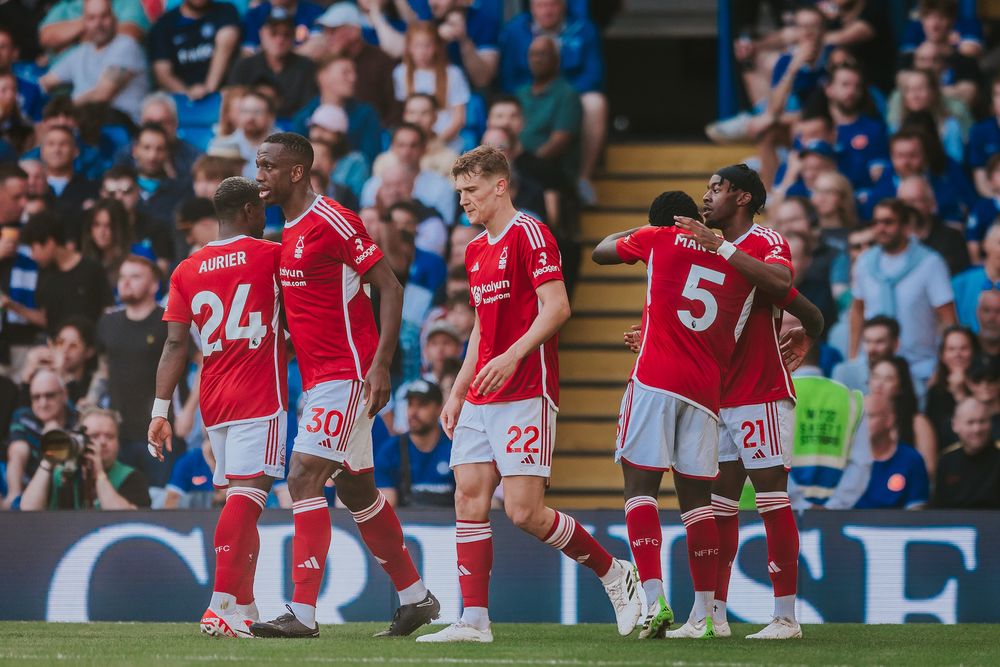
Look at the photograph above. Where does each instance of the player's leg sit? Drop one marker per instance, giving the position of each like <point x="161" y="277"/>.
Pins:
<point x="645" y="535"/>
<point x="726" y="492"/>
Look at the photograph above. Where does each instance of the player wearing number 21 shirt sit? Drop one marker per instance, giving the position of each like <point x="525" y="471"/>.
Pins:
<point x="228" y="293"/>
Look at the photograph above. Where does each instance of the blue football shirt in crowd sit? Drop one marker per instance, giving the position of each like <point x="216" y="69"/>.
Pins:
<point x="861" y="145"/>
<point x="984" y="142"/>
<point x="899" y="482"/>
<point x="430" y="472"/>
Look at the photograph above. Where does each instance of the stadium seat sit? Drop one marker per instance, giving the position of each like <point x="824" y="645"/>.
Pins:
<point x="114" y="137"/>
<point x="200" y="113"/>
<point x="199" y="137"/>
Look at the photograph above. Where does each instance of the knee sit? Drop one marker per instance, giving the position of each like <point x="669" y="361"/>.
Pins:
<point x="469" y="503"/>
<point x="594" y="102"/>
<point x="527" y="518"/>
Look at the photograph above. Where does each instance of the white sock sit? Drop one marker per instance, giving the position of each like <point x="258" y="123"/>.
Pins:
<point x="306" y="613"/>
<point x="413" y="593"/>
<point x="477" y="617"/>
<point x="653" y="588"/>
<point x="612" y="574"/>
<point x="223" y="602"/>
<point x="719" y="611"/>
<point x="784" y="607"/>
<point x="249" y="610"/>
<point x="702" y="605"/>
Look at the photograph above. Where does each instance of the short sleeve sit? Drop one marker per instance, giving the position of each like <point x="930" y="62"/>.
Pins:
<point x="178" y="306"/>
<point x="636" y="246"/>
<point x="777" y="251"/>
<point x="129" y="11"/>
<point x="540" y="253"/>
<point x="387" y="463"/>
<point x="129" y="55"/>
<point x="938" y="281"/>
<point x="354" y="247"/>
<point x="63" y="70"/>
<point x="458" y="87"/>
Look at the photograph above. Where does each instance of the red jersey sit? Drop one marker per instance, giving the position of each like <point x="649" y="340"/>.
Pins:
<point x="504" y="273"/>
<point x="696" y="307"/>
<point x="324" y="254"/>
<point x="229" y="291"/>
<point x="757" y="373"/>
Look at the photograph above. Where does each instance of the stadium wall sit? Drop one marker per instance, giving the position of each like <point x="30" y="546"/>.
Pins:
<point x="869" y="567"/>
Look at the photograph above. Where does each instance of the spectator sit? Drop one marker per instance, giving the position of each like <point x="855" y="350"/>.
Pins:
<point x="68" y="191"/>
<point x="255" y="121"/>
<point x="552" y="111"/>
<point x="209" y="171"/>
<point x="425" y="69"/>
<point x="121" y="184"/>
<point x="191" y="47"/>
<point x="817" y="291"/>
<point x="29" y="97"/>
<point x="984" y="143"/>
<point x="400" y="184"/>
<point x="105" y="68"/>
<point x="928" y="228"/>
<point x="161" y="109"/>
<point x="968" y="475"/>
<point x="50" y="408"/>
<point x="70" y="353"/>
<point x="100" y="482"/>
<point x="130" y="341"/>
<point x="336" y="77"/>
<point x="899" y="479"/>
<point x="581" y="62"/>
<point x="18" y="272"/>
<point x="919" y="92"/>
<point x="421" y="109"/>
<point x="412" y="469"/>
<point x="324" y="164"/>
<point x="197" y="224"/>
<point x="860" y="27"/>
<point x="159" y="194"/>
<point x="833" y="197"/>
<point x="69" y="284"/>
<point x="948" y="385"/>
<point x="985" y="213"/>
<point x="959" y="73"/>
<point x="15" y="130"/>
<point x="903" y="279"/>
<point x="442" y="341"/>
<point x="461" y="236"/>
<point x="983" y="378"/>
<point x="527" y="194"/>
<point x="460" y="314"/>
<point x="408" y="146"/>
<point x="962" y="31"/>
<point x="328" y="125"/>
<point x="449" y="373"/>
<point x="471" y="31"/>
<point x="341" y="25"/>
<point x="891" y="378"/>
<point x="988" y="317"/>
<point x="292" y="75"/>
<point x="969" y="284"/>
<point x="190" y="485"/>
<point x="382" y="25"/>
<point x="60" y="110"/>
<point x="879" y="341"/>
<point x="303" y="13"/>
<point x="861" y="134"/>
<point x="66" y="24"/>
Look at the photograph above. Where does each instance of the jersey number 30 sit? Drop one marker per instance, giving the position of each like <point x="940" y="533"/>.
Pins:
<point x="254" y="331"/>
<point x="693" y="292"/>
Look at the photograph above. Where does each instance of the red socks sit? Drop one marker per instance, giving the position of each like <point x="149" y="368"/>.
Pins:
<point x="703" y="547"/>
<point x="310" y="547"/>
<point x="570" y="538"/>
<point x="782" y="541"/>
<point x="727" y="520"/>
<point x="474" y="544"/>
<point x="380" y="529"/>
<point x="645" y="536"/>
<point x="235" y="540"/>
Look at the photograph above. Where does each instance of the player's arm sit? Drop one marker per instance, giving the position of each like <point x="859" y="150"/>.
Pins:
<point x="606" y="252"/>
<point x="552" y="313"/>
<point x="173" y="361"/>
<point x="377" y="384"/>
<point x="771" y="278"/>
<point x="453" y="404"/>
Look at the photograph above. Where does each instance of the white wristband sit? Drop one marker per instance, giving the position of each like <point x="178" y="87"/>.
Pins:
<point x="161" y="406"/>
<point x="726" y="250"/>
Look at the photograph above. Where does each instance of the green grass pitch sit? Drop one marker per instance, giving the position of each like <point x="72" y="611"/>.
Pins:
<point x="175" y="644"/>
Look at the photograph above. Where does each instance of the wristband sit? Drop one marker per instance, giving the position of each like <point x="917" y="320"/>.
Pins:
<point x="42" y="466"/>
<point x="726" y="250"/>
<point x="161" y="407"/>
<point x="792" y="293"/>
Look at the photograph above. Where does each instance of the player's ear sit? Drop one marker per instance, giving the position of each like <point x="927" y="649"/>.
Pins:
<point x="744" y="198"/>
<point x="298" y="172"/>
<point x="501" y="186"/>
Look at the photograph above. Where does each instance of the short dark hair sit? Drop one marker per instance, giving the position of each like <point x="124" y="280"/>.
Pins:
<point x="194" y="209"/>
<point x="812" y="216"/>
<point x="10" y="170"/>
<point x="504" y="98"/>
<point x="412" y="128"/>
<point x="889" y="323"/>
<point x="43" y="226"/>
<point x="410" y="206"/>
<point x="908" y="134"/>
<point x="66" y="129"/>
<point x="233" y="194"/>
<point x="120" y="171"/>
<point x="993" y="163"/>
<point x="671" y="203"/>
<point x="152" y="127"/>
<point x="83" y="326"/>
<point x="983" y="369"/>
<point x="899" y="208"/>
<point x="256" y="92"/>
<point x="296" y="144"/>
<point x="947" y="7"/>
<point x="424" y="96"/>
<point x="742" y="177"/>
<point x="60" y="105"/>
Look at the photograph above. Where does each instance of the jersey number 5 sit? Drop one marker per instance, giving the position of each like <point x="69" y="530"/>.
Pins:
<point x="254" y="332"/>
<point x="693" y="292"/>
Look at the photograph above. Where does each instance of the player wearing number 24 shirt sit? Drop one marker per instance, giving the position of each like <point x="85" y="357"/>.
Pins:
<point x="228" y="294"/>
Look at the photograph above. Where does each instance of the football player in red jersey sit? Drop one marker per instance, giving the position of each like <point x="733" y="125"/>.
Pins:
<point x="502" y="408"/>
<point x="243" y="395"/>
<point x="327" y="258"/>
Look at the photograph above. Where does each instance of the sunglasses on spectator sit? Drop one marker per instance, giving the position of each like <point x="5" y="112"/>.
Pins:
<point x="126" y="190"/>
<point x="48" y="396"/>
<point x="861" y="246"/>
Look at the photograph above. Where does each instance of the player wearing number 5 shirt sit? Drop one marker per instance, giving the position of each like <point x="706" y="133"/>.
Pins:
<point x="502" y="408"/>
<point x="228" y="293"/>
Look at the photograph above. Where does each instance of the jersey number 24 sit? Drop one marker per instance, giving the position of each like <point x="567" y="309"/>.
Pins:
<point x="253" y="332"/>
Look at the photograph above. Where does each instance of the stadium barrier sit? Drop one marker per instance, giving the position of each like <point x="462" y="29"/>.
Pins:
<point x="870" y="567"/>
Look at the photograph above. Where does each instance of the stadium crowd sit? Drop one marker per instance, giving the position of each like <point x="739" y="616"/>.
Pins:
<point x="119" y="118"/>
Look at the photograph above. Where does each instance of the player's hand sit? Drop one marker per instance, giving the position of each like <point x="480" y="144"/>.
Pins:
<point x="495" y="374"/>
<point x="160" y="435"/>
<point x="697" y="230"/>
<point x="794" y="345"/>
<point x="450" y="414"/>
<point x="377" y="389"/>
<point x="633" y="338"/>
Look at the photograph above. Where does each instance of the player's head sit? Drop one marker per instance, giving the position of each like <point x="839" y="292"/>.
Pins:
<point x="283" y="164"/>
<point x="671" y="203"/>
<point x="733" y="191"/>
<point x="237" y="202"/>
<point x="481" y="177"/>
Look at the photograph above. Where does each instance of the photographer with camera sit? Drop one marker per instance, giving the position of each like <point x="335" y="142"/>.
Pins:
<point x="80" y="470"/>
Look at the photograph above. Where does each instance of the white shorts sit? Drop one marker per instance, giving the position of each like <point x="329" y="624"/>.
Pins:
<point x="335" y="425"/>
<point x="661" y="431"/>
<point x="249" y="449"/>
<point x="516" y="436"/>
<point x="760" y="435"/>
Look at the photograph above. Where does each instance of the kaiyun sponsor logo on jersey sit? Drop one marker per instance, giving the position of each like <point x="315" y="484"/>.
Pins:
<point x="490" y="292"/>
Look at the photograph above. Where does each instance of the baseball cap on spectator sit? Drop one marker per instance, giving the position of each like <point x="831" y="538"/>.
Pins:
<point x="280" y="15"/>
<point x="330" y="117"/>
<point x="444" y="327"/>
<point x="819" y="147"/>
<point x="423" y="389"/>
<point x="341" y="13"/>
<point x="224" y="147"/>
